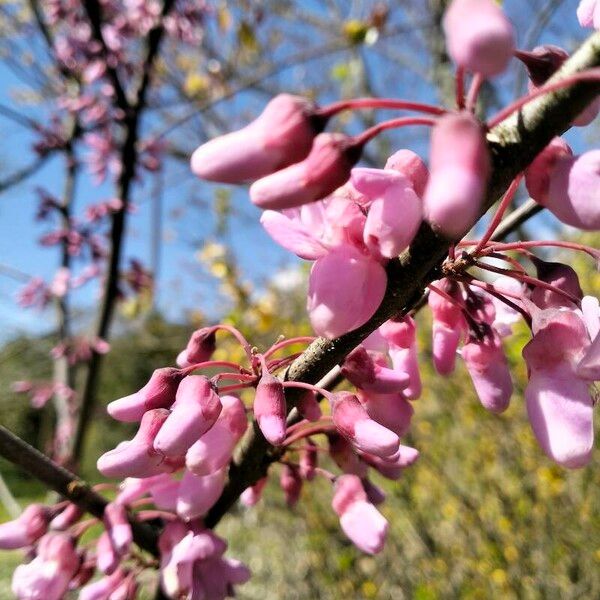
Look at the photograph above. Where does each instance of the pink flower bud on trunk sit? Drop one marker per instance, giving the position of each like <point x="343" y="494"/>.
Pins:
<point x="325" y="169"/>
<point x="353" y="422"/>
<point x="460" y="166"/>
<point x="479" y="37"/>
<point x="281" y="135"/>
<point x="159" y="392"/>
<point x="199" y="349"/>
<point x="196" y="409"/>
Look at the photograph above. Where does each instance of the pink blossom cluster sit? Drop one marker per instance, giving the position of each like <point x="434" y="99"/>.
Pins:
<point x="353" y="221"/>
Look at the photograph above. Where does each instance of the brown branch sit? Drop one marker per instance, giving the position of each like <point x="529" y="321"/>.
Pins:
<point x="129" y="159"/>
<point x="68" y="485"/>
<point x="513" y="145"/>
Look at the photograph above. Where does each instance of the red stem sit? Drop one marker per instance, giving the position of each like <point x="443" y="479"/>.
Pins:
<point x="369" y="134"/>
<point x="473" y="92"/>
<point x="357" y="103"/>
<point x="297" y="340"/>
<point x="460" y="87"/>
<point x="504" y="204"/>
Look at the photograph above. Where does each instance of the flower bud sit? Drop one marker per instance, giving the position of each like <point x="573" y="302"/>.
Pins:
<point x="460" y="166"/>
<point x="479" y="37"/>
<point x="159" y="392"/>
<point x="199" y="349"/>
<point x="309" y="460"/>
<point x="198" y="494"/>
<point x="196" y="409"/>
<point x="563" y="277"/>
<point x="360" y="520"/>
<point x="252" y="495"/>
<point x="542" y="62"/>
<point x="291" y="484"/>
<point x="26" y="529"/>
<point x="353" y="422"/>
<point x="270" y="408"/>
<point x="573" y="191"/>
<point x="282" y="135"/>
<point x="537" y="174"/>
<point x="214" y="449"/>
<point x="325" y="169"/>
<point x="137" y="457"/>
<point x="118" y="527"/>
<point x="392" y="411"/>
<point x="308" y="406"/>
<point x="487" y="365"/>
<point x="363" y="373"/>
<point x="344" y="456"/>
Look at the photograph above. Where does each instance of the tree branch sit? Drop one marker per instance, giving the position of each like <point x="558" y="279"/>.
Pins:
<point x="68" y="485"/>
<point x="129" y="159"/>
<point x="513" y="144"/>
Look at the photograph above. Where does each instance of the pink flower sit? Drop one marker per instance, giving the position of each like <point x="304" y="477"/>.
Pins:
<point x="412" y="167"/>
<point x="353" y="422"/>
<point x="308" y="406"/>
<point x="392" y="411"/>
<point x="487" y="365"/>
<point x="448" y="328"/>
<point x="559" y="403"/>
<point x="395" y="210"/>
<point x="308" y="460"/>
<point x="196" y="409"/>
<point x="291" y="484"/>
<point x="270" y="408"/>
<point x="104" y="587"/>
<point x="325" y="169"/>
<point x="137" y="457"/>
<point x="588" y="14"/>
<point x="25" y="530"/>
<point x="479" y="37"/>
<point x="118" y="527"/>
<point x="460" y="165"/>
<point x="214" y="449"/>
<point x="360" y="520"/>
<point x="48" y="575"/>
<point x="392" y="467"/>
<point x="573" y="191"/>
<point x="252" y="495"/>
<point x="537" y="174"/>
<point x="282" y="135"/>
<point x="560" y="276"/>
<point x="363" y="372"/>
<point x="344" y="290"/>
<point x="402" y="342"/>
<point x="197" y="494"/>
<point x="159" y="392"/>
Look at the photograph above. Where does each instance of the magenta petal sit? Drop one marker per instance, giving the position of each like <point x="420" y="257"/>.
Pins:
<point x="445" y="344"/>
<point x="374" y="182"/>
<point x="560" y="410"/>
<point x="345" y="289"/>
<point x="589" y="366"/>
